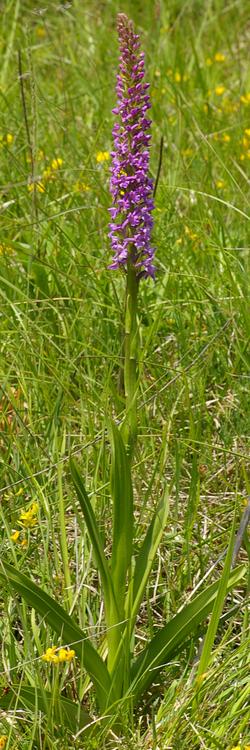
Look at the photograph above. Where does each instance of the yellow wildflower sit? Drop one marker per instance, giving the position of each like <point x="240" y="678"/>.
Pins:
<point x="5" y="248"/>
<point x="28" y="518"/>
<point x="245" y="141"/>
<point x="63" y="655"/>
<point x="220" y="184"/>
<point x="226" y="138"/>
<point x="186" y="152"/>
<point x="81" y="187"/>
<point x="247" y="132"/>
<point x="219" y="90"/>
<point x="9" y="138"/>
<point x="24" y="543"/>
<point x="50" y="654"/>
<point x="189" y="232"/>
<point x="47" y="173"/>
<point x="15" y="536"/>
<point x="3" y="740"/>
<point x="245" y="98"/>
<point x="219" y="57"/>
<point x="56" y="163"/>
<point x="177" y="77"/>
<point x="102" y="156"/>
<point x="40" y="32"/>
<point x="20" y="492"/>
<point x="40" y="187"/>
<point x="209" y="62"/>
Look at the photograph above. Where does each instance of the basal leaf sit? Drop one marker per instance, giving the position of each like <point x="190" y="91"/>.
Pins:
<point x="63" y="625"/>
<point x="64" y="710"/>
<point x="171" y="638"/>
<point x="147" y="553"/>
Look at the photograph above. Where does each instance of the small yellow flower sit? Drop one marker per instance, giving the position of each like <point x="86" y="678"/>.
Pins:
<point x="102" y="156"/>
<point x="39" y="185"/>
<point x="219" y="57"/>
<point x="24" y="543"/>
<point x="40" y="32"/>
<point x="63" y="655"/>
<point x="220" y="184"/>
<point x="5" y="248"/>
<point x="209" y="62"/>
<point x="219" y="90"/>
<point x="177" y="77"/>
<point x="49" y="654"/>
<point x="186" y="152"/>
<point x="15" y="536"/>
<point x="189" y="232"/>
<point x="81" y="187"/>
<point x="56" y="163"/>
<point x="28" y="518"/>
<point x="245" y="142"/>
<point x="245" y="98"/>
<point x="9" y="138"/>
<point x="20" y="492"/>
<point x="247" y="132"/>
<point x="226" y="138"/>
<point x="3" y="740"/>
<point x="47" y="173"/>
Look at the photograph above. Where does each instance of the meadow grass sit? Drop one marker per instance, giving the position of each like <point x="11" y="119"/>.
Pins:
<point x="61" y="345"/>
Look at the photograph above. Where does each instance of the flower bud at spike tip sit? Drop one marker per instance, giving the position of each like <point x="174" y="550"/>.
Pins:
<point x="130" y="185"/>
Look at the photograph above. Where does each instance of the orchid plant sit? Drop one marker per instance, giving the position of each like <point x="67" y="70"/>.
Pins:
<point x="121" y="675"/>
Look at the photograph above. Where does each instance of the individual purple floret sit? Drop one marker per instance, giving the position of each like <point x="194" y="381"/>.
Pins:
<point x="130" y="186"/>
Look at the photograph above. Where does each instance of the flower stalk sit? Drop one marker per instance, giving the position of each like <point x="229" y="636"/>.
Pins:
<point x="132" y="193"/>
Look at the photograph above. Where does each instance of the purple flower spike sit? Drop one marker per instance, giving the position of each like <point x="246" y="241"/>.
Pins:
<point x="130" y="185"/>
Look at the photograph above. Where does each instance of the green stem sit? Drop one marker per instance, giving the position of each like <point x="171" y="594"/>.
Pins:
<point x="130" y="359"/>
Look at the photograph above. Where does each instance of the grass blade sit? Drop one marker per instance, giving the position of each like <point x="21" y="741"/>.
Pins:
<point x="217" y="608"/>
<point x="172" y="637"/>
<point x="64" y="709"/>
<point x="63" y="625"/>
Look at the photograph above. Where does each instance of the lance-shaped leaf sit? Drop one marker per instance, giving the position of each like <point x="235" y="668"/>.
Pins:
<point x="147" y="553"/>
<point x="217" y="608"/>
<point x="122" y="496"/>
<point x="95" y="538"/>
<point x="64" y="710"/>
<point x="63" y="625"/>
<point x="114" y="616"/>
<point x="172" y="637"/>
